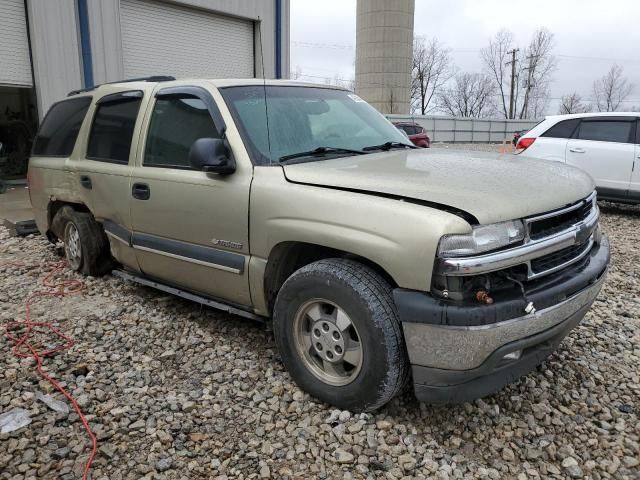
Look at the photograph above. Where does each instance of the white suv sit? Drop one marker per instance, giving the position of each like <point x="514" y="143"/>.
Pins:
<point x="605" y="145"/>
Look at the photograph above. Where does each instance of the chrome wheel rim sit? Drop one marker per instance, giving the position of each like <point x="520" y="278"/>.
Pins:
<point x="328" y="342"/>
<point x="72" y="246"/>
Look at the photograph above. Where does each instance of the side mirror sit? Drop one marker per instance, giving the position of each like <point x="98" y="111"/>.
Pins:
<point x="211" y="155"/>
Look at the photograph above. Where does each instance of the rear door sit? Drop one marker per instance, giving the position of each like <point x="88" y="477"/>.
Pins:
<point x="603" y="147"/>
<point x="552" y="144"/>
<point x="104" y="172"/>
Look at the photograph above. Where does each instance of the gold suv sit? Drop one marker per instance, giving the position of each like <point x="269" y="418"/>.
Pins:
<point x="301" y="205"/>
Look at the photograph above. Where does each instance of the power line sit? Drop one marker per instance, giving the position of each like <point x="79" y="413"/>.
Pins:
<point x="347" y="80"/>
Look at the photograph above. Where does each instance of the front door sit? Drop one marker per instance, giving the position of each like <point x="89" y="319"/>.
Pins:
<point x="190" y="228"/>
<point x="603" y="148"/>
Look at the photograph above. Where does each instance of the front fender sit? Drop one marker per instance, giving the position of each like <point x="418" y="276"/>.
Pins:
<point x="399" y="236"/>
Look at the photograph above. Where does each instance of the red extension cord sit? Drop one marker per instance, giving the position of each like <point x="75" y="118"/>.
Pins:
<point x="19" y="332"/>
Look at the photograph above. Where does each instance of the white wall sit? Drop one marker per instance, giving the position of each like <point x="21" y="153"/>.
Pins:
<point x="55" y="49"/>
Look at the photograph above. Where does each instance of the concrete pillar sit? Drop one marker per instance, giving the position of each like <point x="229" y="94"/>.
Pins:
<point x="384" y="49"/>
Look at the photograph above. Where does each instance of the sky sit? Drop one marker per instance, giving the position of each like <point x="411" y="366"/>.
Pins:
<point x="590" y="36"/>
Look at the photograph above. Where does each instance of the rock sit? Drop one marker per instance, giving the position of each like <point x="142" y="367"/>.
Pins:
<point x="407" y="462"/>
<point x="508" y="455"/>
<point x="342" y="456"/>
<point x="571" y="466"/>
<point x="265" y="472"/>
<point x="52" y="403"/>
<point x="164" y="464"/>
<point x="383" y="424"/>
<point x="61" y="453"/>
<point x="107" y="450"/>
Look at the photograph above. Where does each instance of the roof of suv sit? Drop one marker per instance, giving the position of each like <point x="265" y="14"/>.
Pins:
<point x="217" y="82"/>
<point x="592" y="114"/>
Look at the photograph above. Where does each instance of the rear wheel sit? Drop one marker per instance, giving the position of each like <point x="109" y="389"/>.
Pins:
<point x="85" y="244"/>
<point x="339" y="336"/>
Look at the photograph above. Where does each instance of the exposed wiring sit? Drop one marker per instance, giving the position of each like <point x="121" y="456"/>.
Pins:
<point x="529" y="308"/>
<point x="19" y="332"/>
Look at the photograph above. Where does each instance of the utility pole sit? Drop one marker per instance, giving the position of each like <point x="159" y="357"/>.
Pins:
<point x="513" y="78"/>
<point x="530" y="69"/>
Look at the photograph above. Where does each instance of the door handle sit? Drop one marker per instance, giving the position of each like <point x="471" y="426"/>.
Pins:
<point x="141" y="191"/>
<point x="85" y="181"/>
<point x="576" y="150"/>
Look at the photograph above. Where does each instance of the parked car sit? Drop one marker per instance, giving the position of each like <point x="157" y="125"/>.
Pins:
<point x="416" y="133"/>
<point x="605" y="145"/>
<point x="374" y="262"/>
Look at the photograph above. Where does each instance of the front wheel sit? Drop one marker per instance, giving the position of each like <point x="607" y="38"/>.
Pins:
<point x="339" y="336"/>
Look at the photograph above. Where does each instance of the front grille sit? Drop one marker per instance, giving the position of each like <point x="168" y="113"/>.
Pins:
<point x="556" y="259"/>
<point x="550" y="225"/>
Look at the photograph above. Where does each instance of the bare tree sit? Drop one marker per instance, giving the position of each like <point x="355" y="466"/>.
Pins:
<point x="431" y="69"/>
<point x="495" y="57"/>
<point x="470" y="95"/>
<point x="540" y="65"/>
<point x="572" y="103"/>
<point x="610" y="91"/>
<point x="532" y="72"/>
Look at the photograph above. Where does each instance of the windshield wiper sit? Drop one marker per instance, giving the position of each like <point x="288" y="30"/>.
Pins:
<point x="388" y="146"/>
<point x="319" y="151"/>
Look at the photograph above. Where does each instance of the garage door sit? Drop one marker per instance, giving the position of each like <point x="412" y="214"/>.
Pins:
<point x="164" y="39"/>
<point x="15" y="66"/>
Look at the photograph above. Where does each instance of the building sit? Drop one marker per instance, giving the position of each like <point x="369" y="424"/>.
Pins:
<point x="50" y="47"/>
<point x="384" y="51"/>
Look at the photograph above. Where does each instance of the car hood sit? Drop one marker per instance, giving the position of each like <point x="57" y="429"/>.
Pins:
<point x="491" y="187"/>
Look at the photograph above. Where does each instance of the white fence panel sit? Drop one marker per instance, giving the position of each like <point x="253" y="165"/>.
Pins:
<point x="466" y="130"/>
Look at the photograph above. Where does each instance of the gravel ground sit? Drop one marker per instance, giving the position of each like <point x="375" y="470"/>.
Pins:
<point x="176" y="391"/>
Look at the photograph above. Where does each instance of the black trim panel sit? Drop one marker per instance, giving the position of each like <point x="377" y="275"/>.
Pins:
<point x="189" y="250"/>
<point x="117" y="231"/>
<point x="620" y="196"/>
<point x="203" y="95"/>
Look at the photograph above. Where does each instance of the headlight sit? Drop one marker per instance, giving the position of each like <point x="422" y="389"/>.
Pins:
<point x="483" y="238"/>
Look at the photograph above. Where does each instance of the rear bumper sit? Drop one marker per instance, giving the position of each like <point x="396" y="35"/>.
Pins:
<point x="454" y="362"/>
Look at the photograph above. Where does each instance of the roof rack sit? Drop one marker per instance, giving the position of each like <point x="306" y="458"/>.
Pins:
<point x="152" y="78"/>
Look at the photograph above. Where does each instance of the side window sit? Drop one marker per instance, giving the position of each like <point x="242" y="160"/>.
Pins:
<point x="176" y="122"/>
<point x="606" y="131"/>
<point x="638" y="132"/>
<point x="562" y="129"/>
<point x="59" y="130"/>
<point x="112" y="128"/>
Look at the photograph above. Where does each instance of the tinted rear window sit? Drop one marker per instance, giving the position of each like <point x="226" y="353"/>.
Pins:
<point x="59" y="129"/>
<point x="606" y="131"/>
<point x="112" y="130"/>
<point x="562" y="129"/>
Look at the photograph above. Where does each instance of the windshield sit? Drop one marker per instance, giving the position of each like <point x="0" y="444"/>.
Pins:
<point x="303" y="119"/>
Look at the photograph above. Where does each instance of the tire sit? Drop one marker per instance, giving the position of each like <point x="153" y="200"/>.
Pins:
<point x="320" y="293"/>
<point x="85" y="243"/>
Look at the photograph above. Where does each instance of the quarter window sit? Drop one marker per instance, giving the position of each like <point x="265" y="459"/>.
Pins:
<point x="562" y="129"/>
<point x="176" y="122"/>
<point x="606" y="131"/>
<point x="60" y="127"/>
<point x="112" y="129"/>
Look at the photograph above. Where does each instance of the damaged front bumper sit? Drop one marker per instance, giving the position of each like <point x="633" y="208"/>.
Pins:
<point x="459" y="353"/>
